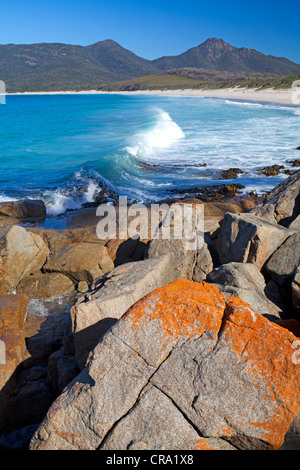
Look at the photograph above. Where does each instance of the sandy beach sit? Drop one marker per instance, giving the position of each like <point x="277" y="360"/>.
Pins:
<point x="267" y="95"/>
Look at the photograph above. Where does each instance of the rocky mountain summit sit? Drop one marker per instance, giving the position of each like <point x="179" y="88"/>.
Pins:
<point x="64" y="67"/>
<point x="154" y="346"/>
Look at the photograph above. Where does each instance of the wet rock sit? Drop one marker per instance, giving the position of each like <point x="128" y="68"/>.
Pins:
<point x="294" y="163"/>
<point x="27" y="209"/>
<point x="231" y="174"/>
<point x="272" y="170"/>
<point x="217" y="362"/>
<point x="213" y="193"/>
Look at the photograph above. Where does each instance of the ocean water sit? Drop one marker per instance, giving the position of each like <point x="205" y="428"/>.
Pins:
<point x="74" y="149"/>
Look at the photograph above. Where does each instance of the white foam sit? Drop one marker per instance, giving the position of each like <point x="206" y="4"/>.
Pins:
<point x="4" y="198"/>
<point x="243" y="103"/>
<point x="57" y="202"/>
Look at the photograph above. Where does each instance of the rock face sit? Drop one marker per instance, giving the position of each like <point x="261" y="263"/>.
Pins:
<point x="211" y="362"/>
<point x="80" y="261"/>
<point x="41" y="286"/>
<point x="203" y="264"/>
<point x="23" y="209"/>
<point x="113" y="295"/>
<point x="284" y="261"/>
<point x="283" y="203"/>
<point x="21" y="253"/>
<point x="184" y="261"/>
<point x="245" y="238"/>
<point x="52" y="238"/>
<point x="156" y="424"/>
<point x="244" y="280"/>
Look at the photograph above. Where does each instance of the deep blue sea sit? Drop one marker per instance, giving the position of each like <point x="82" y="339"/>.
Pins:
<point x="68" y="149"/>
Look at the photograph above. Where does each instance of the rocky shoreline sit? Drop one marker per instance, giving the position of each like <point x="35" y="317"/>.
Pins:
<point x="147" y="345"/>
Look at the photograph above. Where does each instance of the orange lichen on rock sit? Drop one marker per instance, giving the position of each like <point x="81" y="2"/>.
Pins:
<point x="13" y="310"/>
<point x="267" y="348"/>
<point x="182" y="308"/>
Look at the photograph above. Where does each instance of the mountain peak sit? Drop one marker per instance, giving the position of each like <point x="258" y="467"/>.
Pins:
<point x="216" y="54"/>
<point x="214" y="41"/>
<point x="106" y="43"/>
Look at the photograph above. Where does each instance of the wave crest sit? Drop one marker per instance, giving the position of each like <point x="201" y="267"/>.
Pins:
<point x="161" y="135"/>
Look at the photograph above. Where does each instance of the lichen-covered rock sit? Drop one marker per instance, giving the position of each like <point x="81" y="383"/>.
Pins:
<point x="227" y="370"/>
<point x="21" y="253"/>
<point x="13" y="312"/>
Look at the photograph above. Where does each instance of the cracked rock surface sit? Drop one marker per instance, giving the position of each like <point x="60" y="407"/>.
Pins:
<point x="184" y="368"/>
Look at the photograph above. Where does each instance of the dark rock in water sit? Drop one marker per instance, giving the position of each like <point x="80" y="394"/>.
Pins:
<point x="213" y="193"/>
<point x="298" y="148"/>
<point x="151" y="166"/>
<point x="231" y="174"/>
<point x="273" y="170"/>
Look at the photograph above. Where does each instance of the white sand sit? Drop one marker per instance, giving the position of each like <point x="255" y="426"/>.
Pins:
<point x="268" y="95"/>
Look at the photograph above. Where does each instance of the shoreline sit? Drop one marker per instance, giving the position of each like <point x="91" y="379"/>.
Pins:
<point x="270" y="95"/>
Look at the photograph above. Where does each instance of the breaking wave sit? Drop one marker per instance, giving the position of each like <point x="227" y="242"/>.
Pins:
<point x="161" y="135"/>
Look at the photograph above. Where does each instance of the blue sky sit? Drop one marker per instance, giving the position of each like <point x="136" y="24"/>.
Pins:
<point x="156" y="28"/>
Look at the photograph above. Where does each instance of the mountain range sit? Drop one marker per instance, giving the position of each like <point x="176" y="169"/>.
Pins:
<point x="55" y="66"/>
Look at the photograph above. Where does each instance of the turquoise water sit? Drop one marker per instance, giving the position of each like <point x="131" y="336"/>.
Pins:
<point x="71" y="149"/>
